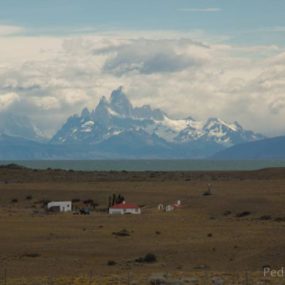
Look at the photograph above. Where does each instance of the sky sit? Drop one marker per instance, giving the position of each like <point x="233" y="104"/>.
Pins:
<point x="206" y="58"/>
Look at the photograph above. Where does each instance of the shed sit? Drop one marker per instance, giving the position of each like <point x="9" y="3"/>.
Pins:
<point x="177" y="204"/>
<point x="60" y="206"/>
<point x="160" y="207"/>
<point x="169" y="208"/>
<point x="125" y="208"/>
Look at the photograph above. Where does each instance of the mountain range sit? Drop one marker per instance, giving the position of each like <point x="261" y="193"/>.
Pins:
<point x="117" y="129"/>
<point x="19" y="126"/>
<point x="267" y="149"/>
<point x="118" y="118"/>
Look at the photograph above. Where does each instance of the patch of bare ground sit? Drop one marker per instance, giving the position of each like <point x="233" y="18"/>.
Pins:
<point x="238" y="228"/>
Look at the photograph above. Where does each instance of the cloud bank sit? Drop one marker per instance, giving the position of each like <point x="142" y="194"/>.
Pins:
<point x="50" y="78"/>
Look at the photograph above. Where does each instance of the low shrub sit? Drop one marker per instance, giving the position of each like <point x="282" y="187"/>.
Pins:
<point x="148" y="258"/>
<point x="280" y="219"/>
<point x="243" y="214"/>
<point x="32" y="255"/>
<point x="227" y="213"/>
<point x="265" y="218"/>
<point x="122" y="233"/>
<point x="111" y="263"/>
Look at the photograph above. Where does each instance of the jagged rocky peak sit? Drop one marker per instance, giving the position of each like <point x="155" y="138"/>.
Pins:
<point x="120" y="105"/>
<point x="102" y="106"/>
<point x="238" y="126"/>
<point x="146" y="112"/>
<point x="214" y="122"/>
<point x="85" y="114"/>
<point x="120" y="102"/>
<point x="102" y="111"/>
<point x="103" y="101"/>
<point x="117" y="116"/>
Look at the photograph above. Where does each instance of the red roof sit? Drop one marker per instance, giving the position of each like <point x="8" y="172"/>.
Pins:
<point x="125" y="205"/>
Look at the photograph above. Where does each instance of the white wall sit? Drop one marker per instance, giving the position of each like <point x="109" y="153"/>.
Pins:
<point x="65" y="206"/>
<point x="116" y="211"/>
<point x="124" y="211"/>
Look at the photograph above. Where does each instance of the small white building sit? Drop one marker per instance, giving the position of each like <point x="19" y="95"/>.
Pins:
<point x="125" y="208"/>
<point x="169" y="208"/>
<point x="60" y="206"/>
<point x="177" y="204"/>
<point x="160" y="207"/>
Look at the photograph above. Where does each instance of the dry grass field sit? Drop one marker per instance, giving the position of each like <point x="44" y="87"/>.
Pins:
<point x="239" y="228"/>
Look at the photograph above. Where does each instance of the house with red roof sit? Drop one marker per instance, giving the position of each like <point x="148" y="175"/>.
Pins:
<point x="124" y="208"/>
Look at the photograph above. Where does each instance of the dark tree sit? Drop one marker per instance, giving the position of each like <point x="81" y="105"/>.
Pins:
<point x="120" y="199"/>
<point x="114" y="199"/>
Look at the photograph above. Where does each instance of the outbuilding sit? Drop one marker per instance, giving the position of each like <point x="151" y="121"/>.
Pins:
<point x="125" y="208"/>
<point x="60" y="206"/>
<point x="169" y="208"/>
<point x="160" y="207"/>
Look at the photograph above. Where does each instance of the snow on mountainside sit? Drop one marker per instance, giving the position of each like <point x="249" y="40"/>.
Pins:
<point x="19" y="126"/>
<point x="117" y="116"/>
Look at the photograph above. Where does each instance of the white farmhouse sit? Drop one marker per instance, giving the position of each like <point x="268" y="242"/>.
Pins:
<point x="125" y="208"/>
<point x="60" y="206"/>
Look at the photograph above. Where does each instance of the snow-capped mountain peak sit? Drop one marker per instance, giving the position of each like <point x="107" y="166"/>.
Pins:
<point x="120" y="103"/>
<point x="118" y="116"/>
<point x="216" y="123"/>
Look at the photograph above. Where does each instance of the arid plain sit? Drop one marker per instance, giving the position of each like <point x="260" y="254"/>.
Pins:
<point x="240" y="227"/>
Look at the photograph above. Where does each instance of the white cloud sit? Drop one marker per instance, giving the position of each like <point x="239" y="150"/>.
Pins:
<point x="20" y="49"/>
<point x="73" y="96"/>
<point x="277" y="105"/>
<point x="153" y="56"/>
<point x="53" y="78"/>
<point x="6" y="100"/>
<point x="47" y="103"/>
<point x="10" y="30"/>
